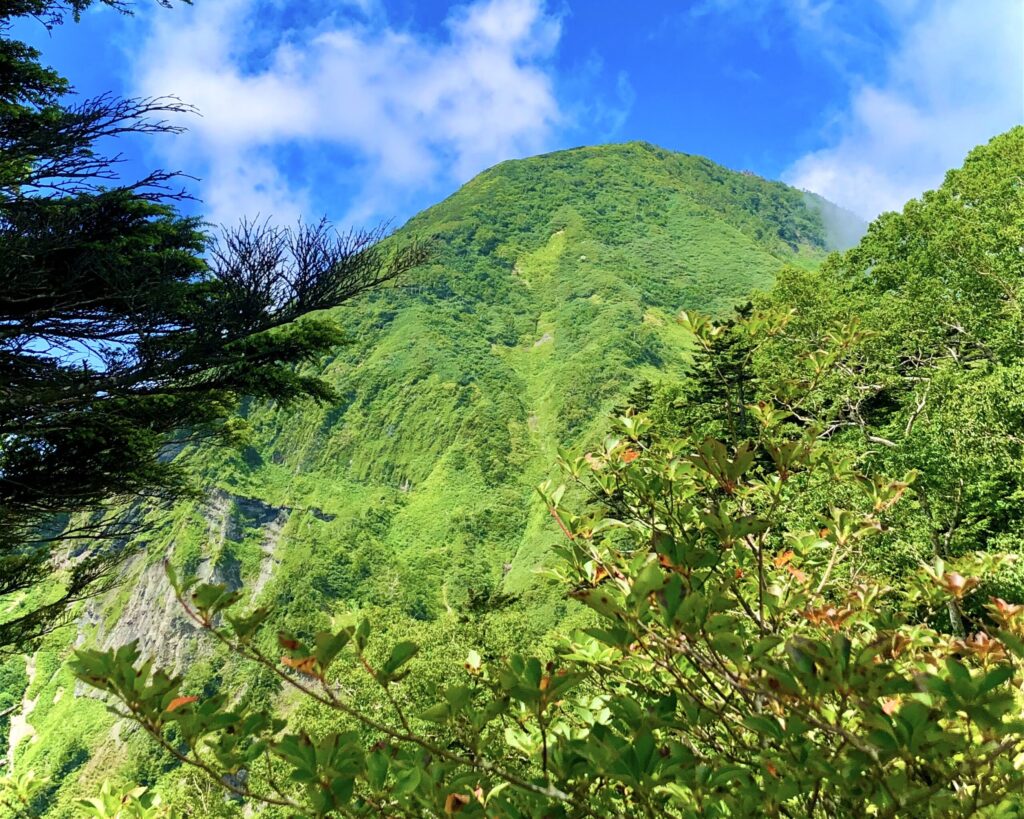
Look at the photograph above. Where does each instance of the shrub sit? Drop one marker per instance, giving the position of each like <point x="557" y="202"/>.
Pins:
<point x="739" y="661"/>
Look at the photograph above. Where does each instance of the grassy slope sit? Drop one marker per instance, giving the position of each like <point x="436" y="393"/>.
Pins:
<point x="554" y="289"/>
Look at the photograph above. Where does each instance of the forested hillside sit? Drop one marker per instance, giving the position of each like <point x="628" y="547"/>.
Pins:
<point x="554" y="288"/>
<point x="786" y="580"/>
<point x="618" y="483"/>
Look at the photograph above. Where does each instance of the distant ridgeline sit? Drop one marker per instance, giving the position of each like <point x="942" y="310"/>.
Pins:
<point x="554" y="289"/>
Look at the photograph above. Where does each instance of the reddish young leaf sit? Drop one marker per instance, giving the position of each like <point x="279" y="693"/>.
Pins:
<point x="783" y="558"/>
<point x="177" y="702"/>
<point x="305" y="665"/>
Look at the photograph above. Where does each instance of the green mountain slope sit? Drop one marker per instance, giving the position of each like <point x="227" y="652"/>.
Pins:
<point x="554" y="289"/>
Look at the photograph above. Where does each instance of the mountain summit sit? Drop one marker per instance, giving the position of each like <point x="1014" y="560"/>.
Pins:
<point x="554" y="289"/>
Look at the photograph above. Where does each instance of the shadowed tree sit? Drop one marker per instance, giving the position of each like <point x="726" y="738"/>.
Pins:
<point x="125" y="328"/>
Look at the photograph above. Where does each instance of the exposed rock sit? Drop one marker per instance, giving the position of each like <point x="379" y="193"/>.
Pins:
<point x="268" y="546"/>
<point x="230" y="515"/>
<point x="20" y="728"/>
<point x="90" y="616"/>
<point x="153" y="616"/>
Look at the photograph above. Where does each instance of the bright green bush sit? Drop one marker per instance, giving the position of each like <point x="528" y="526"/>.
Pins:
<point x="738" y="663"/>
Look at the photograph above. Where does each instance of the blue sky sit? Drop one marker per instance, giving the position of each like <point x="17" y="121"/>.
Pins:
<point x="372" y="109"/>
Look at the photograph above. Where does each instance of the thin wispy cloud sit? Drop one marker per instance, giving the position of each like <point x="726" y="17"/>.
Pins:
<point x="605" y="114"/>
<point x="400" y="110"/>
<point x="955" y="79"/>
<point x="926" y="81"/>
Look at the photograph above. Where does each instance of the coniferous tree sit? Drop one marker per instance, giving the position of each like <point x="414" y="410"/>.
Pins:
<point x="125" y="328"/>
<point x="719" y="384"/>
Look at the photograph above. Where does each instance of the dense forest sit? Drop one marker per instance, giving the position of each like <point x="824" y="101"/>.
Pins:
<point x="413" y="495"/>
<point x="616" y="484"/>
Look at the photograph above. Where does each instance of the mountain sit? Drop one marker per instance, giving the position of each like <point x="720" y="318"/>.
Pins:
<point x="553" y="290"/>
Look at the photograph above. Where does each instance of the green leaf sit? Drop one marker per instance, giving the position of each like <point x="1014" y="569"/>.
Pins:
<point x="407" y="781"/>
<point x="328" y="645"/>
<point x="994" y="678"/>
<point x="362" y="633"/>
<point x="959" y="678"/>
<point x="601" y="600"/>
<point x="376" y="769"/>
<point x="763" y="726"/>
<point x="439" y="712"/>
<point x="401" y="653"/>
<point x="728" y="644"/>
<point x="801" y="661"/>
<point x="245" y="626"/>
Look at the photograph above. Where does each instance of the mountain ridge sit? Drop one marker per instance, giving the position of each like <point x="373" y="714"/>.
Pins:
<point x="691" y="168"/>
<point x="554" y="289"/>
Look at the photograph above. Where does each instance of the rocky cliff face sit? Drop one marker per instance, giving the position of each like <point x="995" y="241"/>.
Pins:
<point x="151" y="615"/>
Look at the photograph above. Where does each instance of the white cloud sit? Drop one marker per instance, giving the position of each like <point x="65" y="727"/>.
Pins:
<point x="408" y="109"/>
<point x="954" y="80"/>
